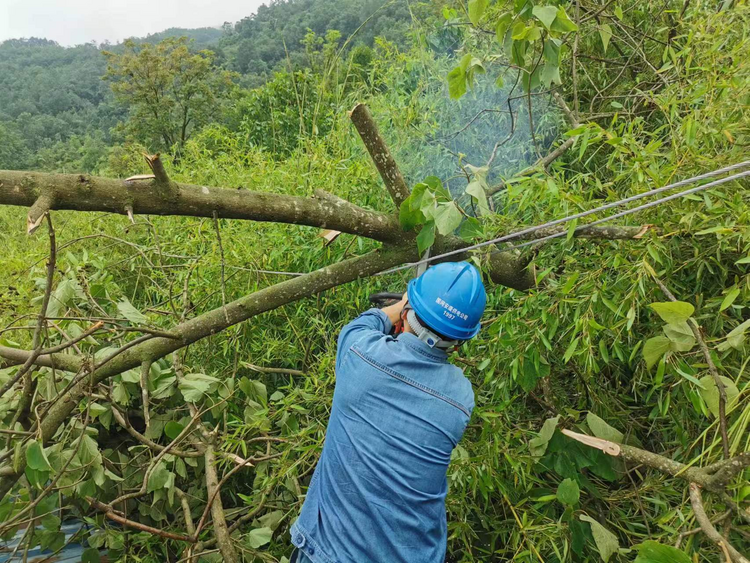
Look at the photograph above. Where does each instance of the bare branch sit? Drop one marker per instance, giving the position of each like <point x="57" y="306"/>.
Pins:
<point x="217" y="509"/>
<point x="381" y="156"/>
<point x="113" y="515"/>
<point x="117" y="415"/>
<point x="91" y="193"/>
<point x="145" y="369"/>
<point x="708" y="528"/>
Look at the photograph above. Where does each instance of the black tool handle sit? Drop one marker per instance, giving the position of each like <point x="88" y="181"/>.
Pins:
<point x="384" y="297"/>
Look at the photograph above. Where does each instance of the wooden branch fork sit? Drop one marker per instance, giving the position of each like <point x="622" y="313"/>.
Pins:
<point x="713" y="478"/>
<point x="157" y="194"/>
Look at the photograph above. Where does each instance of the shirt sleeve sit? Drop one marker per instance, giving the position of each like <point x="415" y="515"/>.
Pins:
<point x="373" y="322"/>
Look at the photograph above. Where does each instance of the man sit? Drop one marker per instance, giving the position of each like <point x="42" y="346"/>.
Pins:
<point x="399" y="409"/>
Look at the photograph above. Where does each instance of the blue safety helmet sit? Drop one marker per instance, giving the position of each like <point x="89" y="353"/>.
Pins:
<point x="449" y="298"/>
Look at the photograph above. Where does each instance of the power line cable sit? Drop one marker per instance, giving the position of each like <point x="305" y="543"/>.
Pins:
<point x="530" y="230"/>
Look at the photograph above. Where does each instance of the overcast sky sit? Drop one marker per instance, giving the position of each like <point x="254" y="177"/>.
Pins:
<point x="70" y="22"/>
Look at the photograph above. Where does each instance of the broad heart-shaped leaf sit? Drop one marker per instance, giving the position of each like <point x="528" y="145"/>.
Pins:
<point x="603" y="430"/>
<point x="477" y="9"/>
<point x="655" y="552"/>
<point x="447" y="218"/>
<point x="172" y="429"/>
<point x="545" y="14"/>
<point x="568" y="492"/>
<point x="457" y="78"/>
<point x="259" y="537"/>
<point x="61" y="297"/>
<point x="681" y="336"/>
<point x="476" y="190"/>
<point x="131" y="313"/>
<point x="159" y="477"/>
<point x="673" y="312"/>
<point x="503" y="23"/>
<point x="409" y="218"/>
<point x="736" y="338"/>
<point x="471" y="229"/>
<point x="194" y="385"/>
<point x="710" y="393"/>
<point x="426" y="237"/>
<point x="36" y="458"/>
<point x="538" y="445"/>
<point x="655" y="348"/>
<point x="91" y="555"/>
<point x="562" y="23"/>
<point x="550" y="73"/>
<point x="606" y="541"/>
<point x="605" y="32"/>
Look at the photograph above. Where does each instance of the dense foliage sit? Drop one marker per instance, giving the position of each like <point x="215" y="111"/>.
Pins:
<point x="651" y="93"/>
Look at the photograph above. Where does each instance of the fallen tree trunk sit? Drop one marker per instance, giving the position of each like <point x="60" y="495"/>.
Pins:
<point x="44" y="192"/>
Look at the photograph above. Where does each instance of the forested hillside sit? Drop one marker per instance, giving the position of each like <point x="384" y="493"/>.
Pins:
<point x="170" y="307"/>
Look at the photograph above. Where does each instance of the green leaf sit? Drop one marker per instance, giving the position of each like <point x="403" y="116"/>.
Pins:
<point x="61" y="297"/>
<point x="172" y="429"/>
<point x="571" y="349"/>
<point x="272" y="519"/>
<point x="538" y="445"/>
<point x="195" y="385"/>
<point x="605" y="32"/>
<point x="456" y="83"/>
<point x="681" y="336"/>
<point x="457" y="78"/>
<point x="618" y="12"/>
<point x="471" y="229"/>
<point x="447" y="218"/>
<point x="90" y="555"/>
<point x="426" y="237"/>
<point x="477" y="9"/>
<point x="710" y="393"/>
<point x="603" y="430"/>
<point x="36" y="459"/>
<point x="131" y="313"/>
<point x="730" y="297"/>
<point x="131" y="376"/>
<point x="503" y="23"/>
<point x="568" y="492"/>
<point x="408" y="217"/>
<point x="159" y="477"/>
<point x="736" y="338"/>
<point x="655" y="552"/>
<point x="562" y="23"/>
<point x="655" y="348"/>
<point x="545" y="14"/>
<point x="550" y="74"/>
<point x="673" y="312"/>
<point x="552" y="51"/>
<point x="606" y="541"/>
<point x="259" y="537"/>
<point x="476" y="190"/>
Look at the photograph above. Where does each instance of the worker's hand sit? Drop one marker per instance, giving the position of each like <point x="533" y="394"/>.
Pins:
<point x="394" y="311"/>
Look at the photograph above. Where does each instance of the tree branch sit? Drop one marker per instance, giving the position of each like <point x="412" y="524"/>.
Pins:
<point x="202" y="326"/>
<point x="217" y="509"/>
<point x="711" y="367"/>
<point x="113" y="515"/>
<point x="708" y="528"/>
<point x="91" y="193"/>
<point x="381" y="156"/>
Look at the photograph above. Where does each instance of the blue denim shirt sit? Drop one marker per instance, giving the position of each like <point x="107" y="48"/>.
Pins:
<point x="378" y="491"/>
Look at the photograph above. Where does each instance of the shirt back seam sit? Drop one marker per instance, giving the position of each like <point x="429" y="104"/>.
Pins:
<point x="408" y="381"/>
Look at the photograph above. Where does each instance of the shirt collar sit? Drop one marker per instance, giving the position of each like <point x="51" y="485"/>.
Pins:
<point x="420" y="347"/>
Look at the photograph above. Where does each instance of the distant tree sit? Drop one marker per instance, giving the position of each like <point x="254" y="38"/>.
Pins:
<point x="169" y="90"/>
